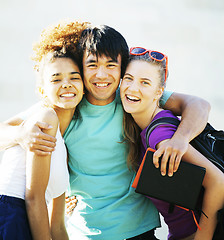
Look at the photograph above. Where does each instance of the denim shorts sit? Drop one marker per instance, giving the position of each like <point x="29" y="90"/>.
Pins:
<point x="13" y="219"/>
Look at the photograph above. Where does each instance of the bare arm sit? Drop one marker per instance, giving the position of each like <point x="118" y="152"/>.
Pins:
<point x="9" y="133"/>
<point x="37" y="176"/>
<point x="16" y="131"/>
<point x="57" y="222"/>
<point x="194" y="112"/>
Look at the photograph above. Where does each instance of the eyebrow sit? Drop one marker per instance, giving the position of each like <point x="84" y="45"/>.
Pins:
<point x="144" y="78"/>
<point x="147" y="79"/>
<point x="58" y="74"/>
<point x="91" y="61"/>
<point x="96" y="60"/>
<point x="75" y="73"/>
<point x="128" y="74"/>
<point x="112" y="61"/>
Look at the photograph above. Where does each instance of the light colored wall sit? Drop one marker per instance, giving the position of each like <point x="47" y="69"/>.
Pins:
<point x="190" y="32"/>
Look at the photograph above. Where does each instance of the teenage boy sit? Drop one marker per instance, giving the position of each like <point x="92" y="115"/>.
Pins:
<point x="108" y="208"/>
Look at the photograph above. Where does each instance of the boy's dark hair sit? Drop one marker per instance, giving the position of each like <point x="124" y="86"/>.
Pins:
<point x="104" y="40"/>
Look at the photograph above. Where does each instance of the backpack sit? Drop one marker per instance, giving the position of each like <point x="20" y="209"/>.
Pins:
<point x="209" y="142"/>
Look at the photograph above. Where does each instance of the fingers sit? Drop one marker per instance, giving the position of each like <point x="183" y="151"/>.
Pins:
<point x="156" y="157"/>
<point x="71" y="203"/>
<point x="42" y="143"/>
<point x="170" y="159"/>
<point x="170" y="153"/>
<point x="165" y="154"/>
<point x="177" y="162"/>
<point x="174" y="162"/>
<point x="163" y="163"/>
<point x="41" y="147"/>
<point x="45" y="140"/>
<point x="69" y="199"/>
<point x="43" y="125"/>
<point x="40" y="135"/>
<point x="171" y="164"/>
<point x="33" y="139"/>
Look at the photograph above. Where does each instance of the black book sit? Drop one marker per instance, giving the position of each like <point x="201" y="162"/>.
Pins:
<point x="181" y="189"/>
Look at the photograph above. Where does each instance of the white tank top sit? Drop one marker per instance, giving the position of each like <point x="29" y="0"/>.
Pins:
<point x="13" y="171"/>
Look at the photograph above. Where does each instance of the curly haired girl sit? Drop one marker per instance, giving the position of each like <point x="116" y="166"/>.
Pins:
<point x="30" y="182"/>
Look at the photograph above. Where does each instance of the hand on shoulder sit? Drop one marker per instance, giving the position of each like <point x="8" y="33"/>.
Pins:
<point x="38" y="132"/>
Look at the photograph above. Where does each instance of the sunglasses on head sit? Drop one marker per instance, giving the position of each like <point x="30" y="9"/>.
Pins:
<point x="155" y="55"/>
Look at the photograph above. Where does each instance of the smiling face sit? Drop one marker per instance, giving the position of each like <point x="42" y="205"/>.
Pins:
<point x="140" y="88"/>
<point x="101" y="78"/>
<point x="62" y="85"/>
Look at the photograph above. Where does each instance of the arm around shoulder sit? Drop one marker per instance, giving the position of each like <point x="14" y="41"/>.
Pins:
<point x="30" y="137"/>
<point x="10" y="132"/>
<point x="194" y="112"/>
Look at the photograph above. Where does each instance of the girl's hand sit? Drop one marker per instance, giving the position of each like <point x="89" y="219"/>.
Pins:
<point x="70" y="204"/>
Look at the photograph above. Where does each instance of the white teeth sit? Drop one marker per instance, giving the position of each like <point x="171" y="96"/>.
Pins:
<point x="132" y="98"/>
<point x="102" y="84"/>
<point x="67" y="95"/>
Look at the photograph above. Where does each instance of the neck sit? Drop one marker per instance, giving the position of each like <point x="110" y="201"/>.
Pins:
<point x="64" y="116"/>
<point x="145" y="118"/>
<point x="100" y="102"/>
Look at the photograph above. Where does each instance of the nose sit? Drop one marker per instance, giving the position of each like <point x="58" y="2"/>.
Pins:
<point x="101" y="73"/>
<point x="133" y="85"/>
<point x="66" y="84"/>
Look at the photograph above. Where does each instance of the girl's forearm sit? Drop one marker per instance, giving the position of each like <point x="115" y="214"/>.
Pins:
<point x="59" y="234"/>
<point x="38" y="218"/>
<point x="213" y="199"/>
<point x="57" y="218"/>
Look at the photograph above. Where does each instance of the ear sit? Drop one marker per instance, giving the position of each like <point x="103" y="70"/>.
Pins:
<point x="159" y="93"/>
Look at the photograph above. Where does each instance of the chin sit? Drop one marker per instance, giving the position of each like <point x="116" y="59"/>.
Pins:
<point x="128" y="110"/>
<point x="67" y="106"/>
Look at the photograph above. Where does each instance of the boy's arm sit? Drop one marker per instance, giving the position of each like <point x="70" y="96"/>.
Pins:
<point x="194" y="113"/>
<point x="9" y="133"/>
<point x="15" y="131"/>
<point x="193" y="110"/>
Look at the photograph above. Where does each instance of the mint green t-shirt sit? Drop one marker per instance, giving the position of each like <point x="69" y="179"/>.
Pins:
<point x="108" y="207"/>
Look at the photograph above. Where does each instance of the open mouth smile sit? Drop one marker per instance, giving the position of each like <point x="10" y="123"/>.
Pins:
<point x="101" y="85"/>
<point x="67" y="95"/>
<point x="132" y="98"/>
